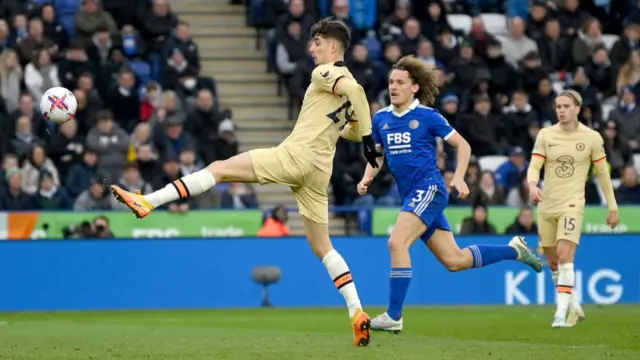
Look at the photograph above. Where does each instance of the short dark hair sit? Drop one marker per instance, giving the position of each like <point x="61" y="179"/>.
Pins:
<point x="104" y="115"/>
<point x="334" y="29"/>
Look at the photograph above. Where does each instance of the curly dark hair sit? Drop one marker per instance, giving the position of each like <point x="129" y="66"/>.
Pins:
<point x="331" y="28"/>
<point x="420" y="74"/>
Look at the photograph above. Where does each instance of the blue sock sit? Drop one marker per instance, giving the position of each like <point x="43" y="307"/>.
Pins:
<point x="484" y="255"/>
<point x="399" y="283"/>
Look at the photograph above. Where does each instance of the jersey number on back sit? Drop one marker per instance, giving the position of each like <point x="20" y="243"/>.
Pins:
<point x="334" y="115"/>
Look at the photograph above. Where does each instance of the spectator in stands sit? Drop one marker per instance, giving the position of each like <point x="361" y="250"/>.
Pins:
<point x="518" y="118"/>
<point x="75" y="63"/>
<point x="533" y="131"/>
<point x="66" y="147"/>
<point x="478" y="223"/>
<point x="175" y="139"/>
<point x="588" y="38"/>
<point x="227" y="141"/>
<point x="101" y="43"/>
<point x="580" y="83"/>
<point x="629" y="190"/>
<point x="79" y="176"/>
<point x="519" y="195"/>
<point x="449" y="110"/>
<point x="157" y="29"/>
<point x="110" y="72"/>
<point x="20" y="30"/>
<point x="289" y="51"/>
<point x="617" y="148"/>
<point x="465" y="68"/>
<point x="133" y="46"/>
<point x="9" y="161"/>
<point x="524" y="223"/>
<point x="411" y="36"/>
<point x="148" y="164"/>
<point x="447" y="47"/>
<point x="34" y="42"/>
<point x="84" y="114"/>
<point x="86" y="84"/>
<point x="348" y="169"/>
<point x="479" y="37"/>
<point x="41" y="74"/>
<point x="14" y="199"/>
<point x="483" y="130"/>
<point x="176" y="69"/>
<point x="503" y="75"/>
<point x="531" y="71"/>
<point x="628" y="41"/>
<point x="276" y="224"/>
<point x="96" y="197"/>
<point x="341" y="10"/>
<point x="203" y="122"/>
<point x="142" y="134"/>
<point x="629" y="73"/>
<point x="33" y="166"/>
<point x="239" y="196"/>
<point x="482" y="85"/>
<point x="150" y="101"/>
<point x="50" y="196"/>
<point x="53" y="29"/>
<point x="536" y="21"/>
<point x="362" y="69"/>
<point x="122" y="11"/>
<point x="434" y="21"/>
<point x="132" y="181"/>
<point x="89" y="19"/>
<point x="600" y="72"/>
<point x="5" y="33"/>
<point x="627" y="116"/>
<point x="555" y="48"/>
<point x="10" y="79"/>
<point x="111" y="143"/>
<point x="391" y="27"/>
<point x="572" y="17"/>
<point x="487" y="192"/>
<point x="542" y="101"/>
<point x="124" y="99"/>
<point x="182" y="41"/>
<point x="24" y="139"/>
<point x="509" y="175"/>
<point x="27" y="108"/>
<point x="517" y="44"/>
<point x="425" y="53"/>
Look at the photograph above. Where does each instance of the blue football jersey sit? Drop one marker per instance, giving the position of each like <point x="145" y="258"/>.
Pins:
<point x="409" y="142"/>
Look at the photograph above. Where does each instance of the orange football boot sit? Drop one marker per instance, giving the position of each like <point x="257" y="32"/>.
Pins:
<point x="139" y="206"/>
<point x="361" y="328"/>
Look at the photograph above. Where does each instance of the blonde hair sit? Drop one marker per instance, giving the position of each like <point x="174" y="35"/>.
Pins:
<point x="575" y="97"/>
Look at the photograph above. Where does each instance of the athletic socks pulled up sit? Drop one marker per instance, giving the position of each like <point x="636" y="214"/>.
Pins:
<point x="398" y="285"/>
<point x="341" y="276"/>
<point x="484" y="255"/>
<point x="187" y="186"/>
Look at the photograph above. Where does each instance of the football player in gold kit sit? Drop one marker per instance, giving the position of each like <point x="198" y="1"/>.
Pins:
<point x="303" y="161"/>
<point x="566" y="150"/>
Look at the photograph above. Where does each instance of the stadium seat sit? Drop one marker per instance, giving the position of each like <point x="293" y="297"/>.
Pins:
<point x="69" y="24"/>
<point x="460" y="22"/>
<point x="491" y="162"/>
<point x="609" y="40"/>
<point x="495" y="24"/>
<point x="142" y="70"/>
<point x="67" y="7"/>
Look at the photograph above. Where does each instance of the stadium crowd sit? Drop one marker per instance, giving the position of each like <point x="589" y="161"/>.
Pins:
<point x="498" y="77"/>
<point x="146" y="116"/>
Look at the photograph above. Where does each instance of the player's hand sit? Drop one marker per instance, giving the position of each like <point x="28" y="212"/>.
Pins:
<point x="370" y="151"/>
<point x="612" y="219"/>
<point x="363" y="186"/>
<point x="460" y="186"/>
<point x="535" y="194"/>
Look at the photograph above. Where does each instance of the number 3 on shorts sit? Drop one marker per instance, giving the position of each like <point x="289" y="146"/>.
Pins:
<point x="419" y="196"/>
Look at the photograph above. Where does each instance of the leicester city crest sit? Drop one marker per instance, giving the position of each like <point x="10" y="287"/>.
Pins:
<point x="413" y="124"/>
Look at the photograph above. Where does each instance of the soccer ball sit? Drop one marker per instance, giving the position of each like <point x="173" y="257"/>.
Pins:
<point x="58" y="105"/>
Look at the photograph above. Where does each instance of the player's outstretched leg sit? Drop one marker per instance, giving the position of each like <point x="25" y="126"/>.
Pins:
<point x="576" y="313"/>
<point x="318" y="236"/>
<point x="444" y="247"/>
<point x="236" y="169"/>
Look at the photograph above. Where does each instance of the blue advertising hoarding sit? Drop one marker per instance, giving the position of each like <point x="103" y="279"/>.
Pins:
<point x="186" y="273"/>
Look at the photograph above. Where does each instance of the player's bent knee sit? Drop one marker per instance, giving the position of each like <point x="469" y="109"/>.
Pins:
<point x="236" y="169"/>
<point x="396" y="245"/>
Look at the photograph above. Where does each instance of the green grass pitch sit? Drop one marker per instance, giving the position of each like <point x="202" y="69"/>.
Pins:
<point x="438" y="333"/>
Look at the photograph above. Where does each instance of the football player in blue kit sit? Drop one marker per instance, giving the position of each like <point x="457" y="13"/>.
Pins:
<point x="407" y="130"/>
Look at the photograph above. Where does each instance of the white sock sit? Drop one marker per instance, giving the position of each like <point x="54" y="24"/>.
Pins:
<point x="574" y="298"/>
<point x="187" y="186"/>
<point x="566" y="282"/>
<point x="341" y="276"/>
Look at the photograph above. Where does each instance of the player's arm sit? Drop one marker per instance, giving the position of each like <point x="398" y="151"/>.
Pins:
<point x="538" y="157"/>
<point x="599" y="160"/>
<point x="371" y="172"/>
<point x="351" y="131"/>
<point x="463" y="153"/>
